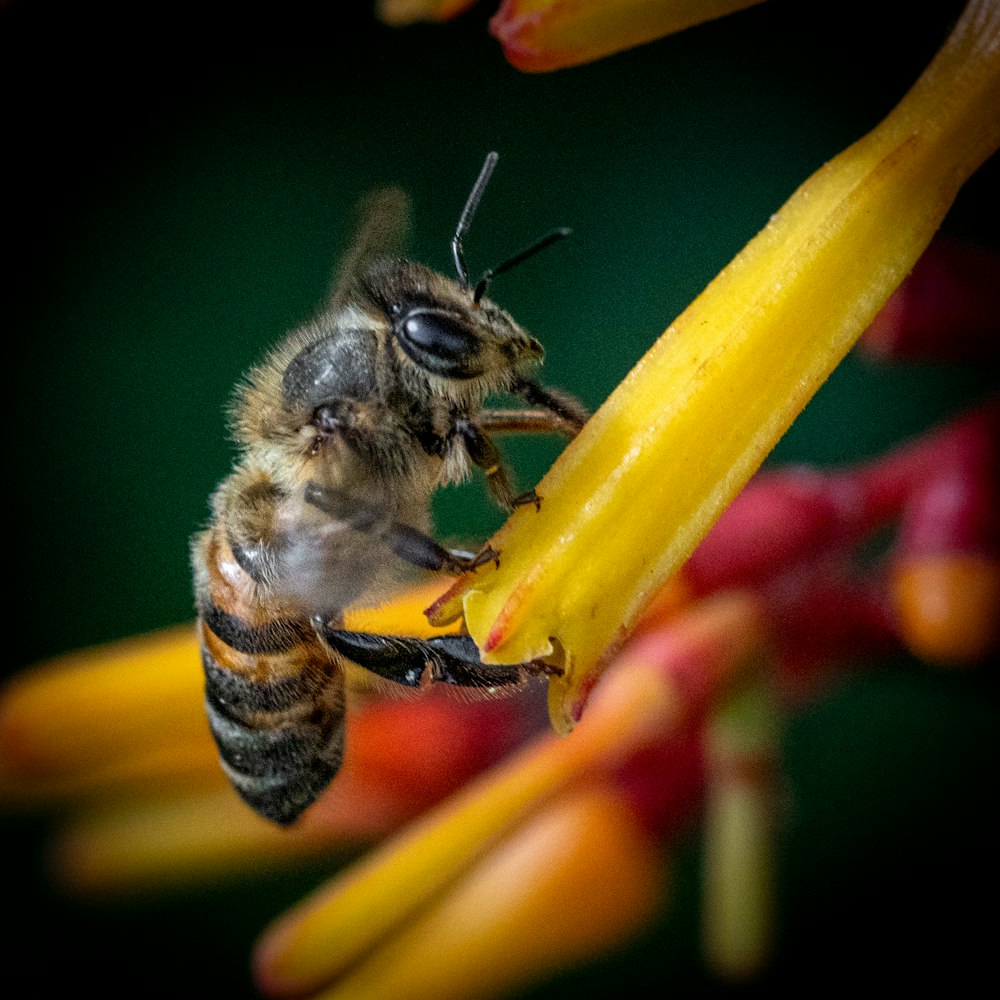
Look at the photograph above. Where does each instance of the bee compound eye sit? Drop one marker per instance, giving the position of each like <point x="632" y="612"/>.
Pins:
<point x="439" y="342"/>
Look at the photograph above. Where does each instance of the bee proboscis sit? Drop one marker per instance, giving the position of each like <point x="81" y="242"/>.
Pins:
<point x="345" y="431"/>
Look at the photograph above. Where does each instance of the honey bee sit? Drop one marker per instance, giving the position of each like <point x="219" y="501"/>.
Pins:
<point x="346" y="429"/>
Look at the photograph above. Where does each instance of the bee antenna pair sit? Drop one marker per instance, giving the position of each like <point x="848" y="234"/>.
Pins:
<point x="465" y="220"/>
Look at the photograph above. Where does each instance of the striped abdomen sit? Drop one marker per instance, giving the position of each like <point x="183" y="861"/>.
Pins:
<point x="273" y="691"/>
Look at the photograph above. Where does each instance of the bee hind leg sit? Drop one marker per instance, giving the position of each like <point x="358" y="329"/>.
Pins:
<point x="446" y="659"/>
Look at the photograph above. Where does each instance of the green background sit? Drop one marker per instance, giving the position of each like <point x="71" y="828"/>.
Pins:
<point x="177" y="195"/>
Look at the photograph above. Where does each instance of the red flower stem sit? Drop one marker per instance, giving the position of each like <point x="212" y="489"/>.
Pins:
<point x="799" y="513"/>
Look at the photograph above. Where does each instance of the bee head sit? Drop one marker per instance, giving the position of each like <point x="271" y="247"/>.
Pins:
<point x="458" y="343"/>
<point x="461" y="342"/>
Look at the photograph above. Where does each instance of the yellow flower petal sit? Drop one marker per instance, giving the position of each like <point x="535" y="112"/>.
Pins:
<point x="137" y="846"/>
<point x="102" y="718"/>
<point x="84" y="710"/>
<point x="187" y="763"/>
<point x="647" y="694"/>
<point x="629" y="499"/>
<point x="539" y="35"/>
<point x="576" y="881"/>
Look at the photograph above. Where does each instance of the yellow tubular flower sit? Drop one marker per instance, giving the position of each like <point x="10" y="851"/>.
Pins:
<point x="372" y="904"/>
<point x="505" y="926"/>
<point x="122" y="715"/>
<point x="96" y="709"/>
<point x="133" y="846"/>
<point x="539" y="35"/>
<point x="631" y="497"/>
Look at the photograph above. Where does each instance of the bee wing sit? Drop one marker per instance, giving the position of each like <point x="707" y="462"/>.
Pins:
<point x="331" y="550"/>
<point x="383" y="225"/>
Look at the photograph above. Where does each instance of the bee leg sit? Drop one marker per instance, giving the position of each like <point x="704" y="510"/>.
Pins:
<point x="410" y="544"/>
<point x="568" y="414"/>
<point x="487" y="456"/>
<point x="524" y="421"/>
<point x="530" y="496"/>
<point x="421" y="550"/>
<point x="446" y="659"/>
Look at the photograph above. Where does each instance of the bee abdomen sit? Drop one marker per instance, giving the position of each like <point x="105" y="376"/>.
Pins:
<point x="280" y="740"/>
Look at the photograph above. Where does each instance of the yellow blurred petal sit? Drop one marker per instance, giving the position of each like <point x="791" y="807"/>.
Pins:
<point x="93" y="719"/>
<point x="137" y="846"/>
<point x="629" y="499"/>
<point x="183" y="765"/>
<point x="88" y="708"/>
<point x="575" y="882"/>
<point x="316" y="941"/>
<point x="651" y="688"/>
<point x="539" y="35"/>
<point x="403" y="614"/>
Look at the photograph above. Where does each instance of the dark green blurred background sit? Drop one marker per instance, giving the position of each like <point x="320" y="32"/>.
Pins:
<point x="178" y="191"/>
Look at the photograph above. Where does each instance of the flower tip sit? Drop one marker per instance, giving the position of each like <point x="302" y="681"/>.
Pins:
<point x="447" y="608"/>
<point x="948" y="607"/>
<point x="494" y="639"/>
<point x="268" y="967"/>
<point x="399" y="13"/>
<point x="565" y="707"/>
<point x="542" y="35"/>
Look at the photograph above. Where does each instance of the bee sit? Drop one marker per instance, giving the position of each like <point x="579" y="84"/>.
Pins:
<point x="345" y="431"/>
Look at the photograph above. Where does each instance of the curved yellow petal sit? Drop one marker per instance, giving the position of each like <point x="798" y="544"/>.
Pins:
<point x="652" y="688"/>
<point x="576" y="881"/>
<point x="631" y="497"/>
<point x="97" y="718"/>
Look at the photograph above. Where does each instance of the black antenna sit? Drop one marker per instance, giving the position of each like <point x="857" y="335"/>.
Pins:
<point x="465" y="220"/>
<point x="466" y="217"/>
<point x="522" y="255"/>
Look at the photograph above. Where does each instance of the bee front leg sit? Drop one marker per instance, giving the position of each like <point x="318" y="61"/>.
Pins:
<point x="419" y="549"/>
<point x="488" y="457"/>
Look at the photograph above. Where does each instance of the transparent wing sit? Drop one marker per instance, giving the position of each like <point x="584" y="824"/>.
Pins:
<point x="382" y="228"/>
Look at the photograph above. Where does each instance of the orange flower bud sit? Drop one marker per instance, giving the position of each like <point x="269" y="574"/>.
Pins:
<point x="948" y="606"/>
